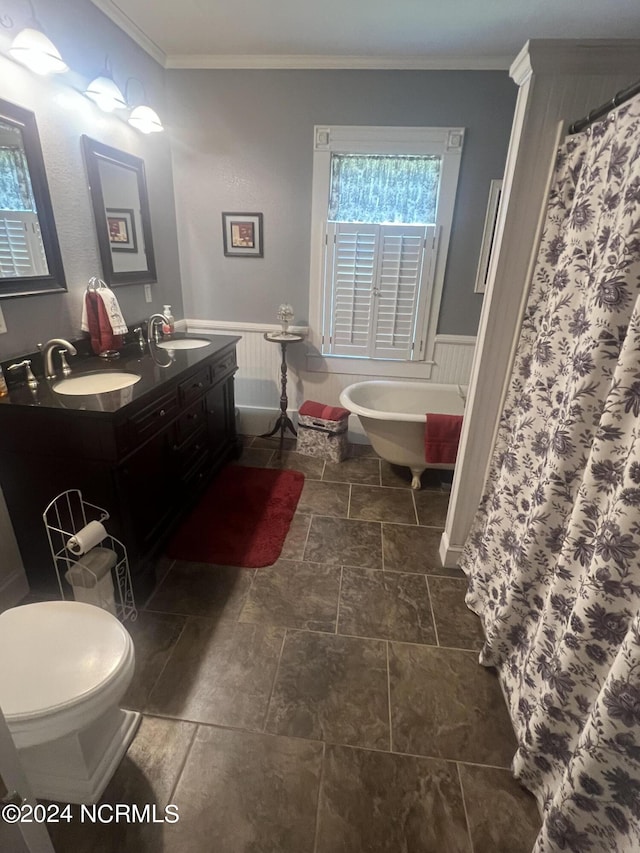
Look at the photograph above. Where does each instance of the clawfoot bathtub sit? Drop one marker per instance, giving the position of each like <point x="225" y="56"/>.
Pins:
<point x="393" y="414"/>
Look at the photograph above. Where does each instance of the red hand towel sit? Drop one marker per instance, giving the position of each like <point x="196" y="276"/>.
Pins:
<point x="441" y="438"/>
<point x="102" y="337"/>
<point x="319" y="410"/>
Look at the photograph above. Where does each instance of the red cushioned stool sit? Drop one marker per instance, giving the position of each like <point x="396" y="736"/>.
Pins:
<point x="322" y="431"/>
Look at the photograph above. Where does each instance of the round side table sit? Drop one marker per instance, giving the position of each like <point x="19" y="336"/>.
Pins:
<point x="283" y="422"/>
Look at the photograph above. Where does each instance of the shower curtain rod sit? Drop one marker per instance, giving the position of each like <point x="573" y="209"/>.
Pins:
<point x="619" y="98"/>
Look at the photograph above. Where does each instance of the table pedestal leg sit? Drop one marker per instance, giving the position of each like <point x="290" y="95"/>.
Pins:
<point x="284" y="422"/>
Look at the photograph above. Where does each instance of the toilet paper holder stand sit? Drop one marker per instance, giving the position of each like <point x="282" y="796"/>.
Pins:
<point x="65" y="518"/>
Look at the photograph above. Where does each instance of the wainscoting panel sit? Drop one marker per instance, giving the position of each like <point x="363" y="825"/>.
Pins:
<point x="453" y="357"/>
<point x="257" y="381"/>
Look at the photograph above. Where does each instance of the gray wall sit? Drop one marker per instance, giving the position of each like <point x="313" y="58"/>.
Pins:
<point x="243" y="141"/>
<point x="84" y="35"/>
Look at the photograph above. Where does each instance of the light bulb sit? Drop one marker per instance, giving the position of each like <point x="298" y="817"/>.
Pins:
<point x="145" y="120"/>
<point x="32" y="48"/>
<point x="104" y="92"/>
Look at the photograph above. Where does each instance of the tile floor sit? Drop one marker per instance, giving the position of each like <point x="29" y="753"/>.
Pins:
<point x="331" y="703"/>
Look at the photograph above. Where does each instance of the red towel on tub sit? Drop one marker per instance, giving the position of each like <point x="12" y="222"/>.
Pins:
<point x="441" y="438"/>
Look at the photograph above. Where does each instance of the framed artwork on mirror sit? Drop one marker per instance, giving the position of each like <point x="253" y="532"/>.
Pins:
<point x="122" y="229"/>
<point x="242" y="235"/>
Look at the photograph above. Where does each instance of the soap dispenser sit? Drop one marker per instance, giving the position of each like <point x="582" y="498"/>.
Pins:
<point x="169" y="327"/>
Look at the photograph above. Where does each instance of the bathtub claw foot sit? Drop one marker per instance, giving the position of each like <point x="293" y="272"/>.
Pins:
<point x="416" y="474"/>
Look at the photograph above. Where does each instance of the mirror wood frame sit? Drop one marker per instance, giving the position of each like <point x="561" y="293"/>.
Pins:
<point x="96" y="152"/>
<point x="54" y="281"/>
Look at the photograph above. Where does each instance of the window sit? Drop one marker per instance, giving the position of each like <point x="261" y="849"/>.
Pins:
<point x="382" y="209"/>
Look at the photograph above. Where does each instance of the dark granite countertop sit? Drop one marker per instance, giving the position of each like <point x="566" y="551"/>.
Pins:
<point x="154" y="365"/>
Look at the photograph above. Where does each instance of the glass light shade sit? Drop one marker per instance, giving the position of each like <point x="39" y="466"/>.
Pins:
<point x="106" y="94"/>
<point x="145" y="120"/>
<point x="33" y="49"/>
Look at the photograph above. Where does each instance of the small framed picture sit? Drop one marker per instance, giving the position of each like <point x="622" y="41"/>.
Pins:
<point x="121" y="226"/>
<point x="488" y="236"/>
<point x="242" y="235"/>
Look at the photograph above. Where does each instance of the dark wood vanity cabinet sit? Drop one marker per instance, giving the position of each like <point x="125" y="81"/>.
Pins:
<point x="146" y="464"/>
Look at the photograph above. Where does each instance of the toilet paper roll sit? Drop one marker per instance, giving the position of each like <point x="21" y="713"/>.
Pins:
<point x="86" y="538"/>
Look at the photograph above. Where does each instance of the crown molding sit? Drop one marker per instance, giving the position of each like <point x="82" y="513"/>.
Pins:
<point x="365" y="63"/>
<point x="392" y="62"/>
<point x="575" y="56"/>
<point x="115" y="13"/>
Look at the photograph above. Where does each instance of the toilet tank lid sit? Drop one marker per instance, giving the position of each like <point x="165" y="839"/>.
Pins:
<point x="56" y="652"/>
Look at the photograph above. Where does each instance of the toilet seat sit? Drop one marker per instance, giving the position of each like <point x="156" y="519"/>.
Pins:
<point x="61" y="663"/>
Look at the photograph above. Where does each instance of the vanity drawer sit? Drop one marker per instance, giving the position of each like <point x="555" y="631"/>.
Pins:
<point x="194" y="386"/>
<point x="191" y="420"/>
<point x="191" y="452"/>
<point x="153" y="418"/>
<point x="224" y="366"/>
<point x="197" y="470"/>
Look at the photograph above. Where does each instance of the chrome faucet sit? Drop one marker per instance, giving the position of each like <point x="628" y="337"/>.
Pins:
<point x="47" y="356"/>
<point x="32" y="382"/>
<point x="138" y="331"/>
<point x="152" y="327"/>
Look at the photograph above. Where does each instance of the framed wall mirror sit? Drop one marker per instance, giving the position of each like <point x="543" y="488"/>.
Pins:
<point x="121" y="209"/>
<point x="30" y="259"/>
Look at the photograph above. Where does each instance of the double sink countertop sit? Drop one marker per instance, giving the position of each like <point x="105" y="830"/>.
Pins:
<point x="156" y="366"/>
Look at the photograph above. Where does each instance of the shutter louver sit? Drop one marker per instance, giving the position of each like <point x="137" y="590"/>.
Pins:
<point x="21" y="248"/>
<point x="399" y="278"/>
<point x="353" y="248"/>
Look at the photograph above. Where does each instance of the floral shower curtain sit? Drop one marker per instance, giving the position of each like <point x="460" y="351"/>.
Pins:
<point x="553" y="558"/>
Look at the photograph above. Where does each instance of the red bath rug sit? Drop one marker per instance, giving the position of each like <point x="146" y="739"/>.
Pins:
<point x="242" y="519"/>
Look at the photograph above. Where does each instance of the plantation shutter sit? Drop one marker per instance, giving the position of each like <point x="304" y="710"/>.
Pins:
<point x="21" y="248"/>
<point x="352" y="263"/>
<point x="373" y="280"/>
<point x="400" y="273"/>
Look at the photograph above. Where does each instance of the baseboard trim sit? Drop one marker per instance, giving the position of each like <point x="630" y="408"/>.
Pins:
<point x="450" y="555"/>
<point x="257" y="420"/>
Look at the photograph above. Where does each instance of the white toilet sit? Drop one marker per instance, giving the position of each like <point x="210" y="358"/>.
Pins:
<point x="64" y="667"/>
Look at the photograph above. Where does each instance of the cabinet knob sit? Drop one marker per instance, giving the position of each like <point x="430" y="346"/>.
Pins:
<point x="162" y="413"/>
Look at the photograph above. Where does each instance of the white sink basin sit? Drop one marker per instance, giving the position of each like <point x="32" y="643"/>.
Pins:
<point x="184" y="343"/>
<point x="96" y="383"/>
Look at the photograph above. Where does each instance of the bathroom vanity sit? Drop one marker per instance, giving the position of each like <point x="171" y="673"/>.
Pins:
<point x="144" y="452"/>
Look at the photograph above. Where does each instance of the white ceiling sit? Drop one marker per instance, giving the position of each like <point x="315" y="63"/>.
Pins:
<point x="361" y="33"/>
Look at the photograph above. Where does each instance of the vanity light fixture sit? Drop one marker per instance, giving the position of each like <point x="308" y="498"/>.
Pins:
<point x="31" y="47"/>
<point x="142" y="117"/>
<point x="104" y="91"/>
<point x="145" y="120"/>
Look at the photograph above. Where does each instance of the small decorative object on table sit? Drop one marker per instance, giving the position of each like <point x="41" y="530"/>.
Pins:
<point x="322" y="431"/>
<point x="286" y="316"/>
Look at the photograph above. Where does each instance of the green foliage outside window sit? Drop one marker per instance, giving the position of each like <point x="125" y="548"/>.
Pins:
<point x="384" y="188"/>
